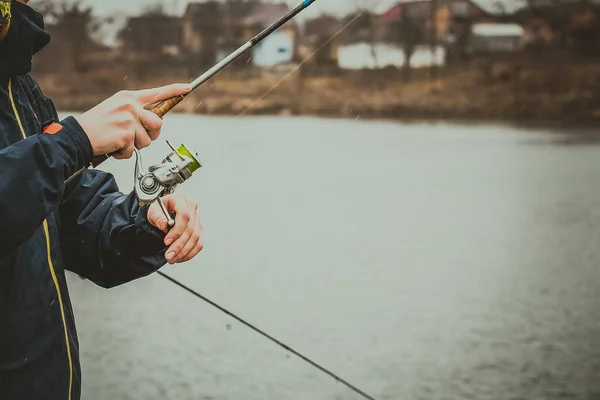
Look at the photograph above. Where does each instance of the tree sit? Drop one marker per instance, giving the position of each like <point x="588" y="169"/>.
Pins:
<point x="369" y="23"/>
<point x="433" y="8"/>
<point x="74" y="24"/>
<point x="410" y="32"/>
<point x="154" y="9"/>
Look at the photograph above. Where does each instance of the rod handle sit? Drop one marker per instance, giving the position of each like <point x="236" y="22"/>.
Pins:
<point x="162" y="108"/>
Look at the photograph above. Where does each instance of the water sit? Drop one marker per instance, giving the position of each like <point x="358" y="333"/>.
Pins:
<point x="416" y="261"/>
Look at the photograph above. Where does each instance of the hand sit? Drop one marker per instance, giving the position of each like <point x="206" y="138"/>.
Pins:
<point x="121" y="121"/>
<point x="185" y="237"/>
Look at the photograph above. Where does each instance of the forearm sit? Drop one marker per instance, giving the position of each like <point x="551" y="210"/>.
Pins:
<point x="106" y="235"/>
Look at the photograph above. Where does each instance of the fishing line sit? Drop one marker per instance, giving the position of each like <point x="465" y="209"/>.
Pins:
<point x="308" y="57"/>
<point x="241" y="320"/>
<point x="165" y="106"/>
<point x="271" y="338"/>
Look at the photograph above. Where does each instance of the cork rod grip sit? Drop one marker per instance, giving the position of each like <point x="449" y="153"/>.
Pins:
<point x="162" y="108"/>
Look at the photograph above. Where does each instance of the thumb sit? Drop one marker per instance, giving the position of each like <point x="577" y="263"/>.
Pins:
<point x="157" y="218"/>
<point x="151" y="96"/>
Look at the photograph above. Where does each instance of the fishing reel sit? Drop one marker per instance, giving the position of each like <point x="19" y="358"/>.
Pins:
<point x="162" y="179"/>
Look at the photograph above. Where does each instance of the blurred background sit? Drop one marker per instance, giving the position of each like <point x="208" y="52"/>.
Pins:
<point x="501" y="60"/>
<point x="406" y="192"/>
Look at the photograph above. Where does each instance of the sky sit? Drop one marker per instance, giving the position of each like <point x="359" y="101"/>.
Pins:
<point x="120" y="9"/>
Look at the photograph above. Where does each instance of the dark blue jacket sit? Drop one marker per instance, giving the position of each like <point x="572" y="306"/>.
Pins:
<point x="49" y="227"/>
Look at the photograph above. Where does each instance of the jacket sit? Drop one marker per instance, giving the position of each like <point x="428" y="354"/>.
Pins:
<point x="86" y="226"/>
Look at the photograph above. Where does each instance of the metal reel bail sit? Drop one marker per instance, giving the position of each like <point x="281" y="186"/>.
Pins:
<point x="162" y="179"/>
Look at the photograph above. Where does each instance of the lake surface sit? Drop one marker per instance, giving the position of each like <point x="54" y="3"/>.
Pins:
<point x="416" y="261"/>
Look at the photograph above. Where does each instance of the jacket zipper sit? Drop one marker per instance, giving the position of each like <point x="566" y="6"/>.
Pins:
<point x="50" y="263"/>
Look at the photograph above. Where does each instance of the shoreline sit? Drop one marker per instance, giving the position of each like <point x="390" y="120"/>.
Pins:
<point x="409" y="118"/>
<point x="566" y="96"/>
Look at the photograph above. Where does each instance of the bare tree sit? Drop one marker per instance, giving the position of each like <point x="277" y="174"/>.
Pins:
<point x="156" y="8"/>
<point x="74" y="23"/>
<point x="368" y="8"/>
<point x="433" y="8"/>
<point x="410" y="32"/>
<point x="500" y="8"/>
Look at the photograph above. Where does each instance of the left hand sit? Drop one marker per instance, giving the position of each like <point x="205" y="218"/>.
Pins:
<point x="185" y="237"/>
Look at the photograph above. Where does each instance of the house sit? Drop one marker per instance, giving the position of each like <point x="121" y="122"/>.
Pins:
<point x="380" y="42"/>
<point x="278" y="48"/>
<point x="488" y="38"/>
<point x="449" y="20"/>
<point x="560" y="22"/>
<point x="538" y="31"/>
<point x="213" y="29"/>
<point x="201" y="30"/>
<point x="317" y="35"/>
<point x="363" y="55"/>
<point x="71" y="44"/>
<point x="152" y="33"/>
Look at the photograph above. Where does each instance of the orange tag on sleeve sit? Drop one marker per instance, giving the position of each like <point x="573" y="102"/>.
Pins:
<point x="53" y="128"/>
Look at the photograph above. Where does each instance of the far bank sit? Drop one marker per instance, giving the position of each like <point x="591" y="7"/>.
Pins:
<point x="510" y="91"/>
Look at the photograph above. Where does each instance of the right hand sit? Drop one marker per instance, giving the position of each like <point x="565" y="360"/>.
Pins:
<point x="121" y="122"/>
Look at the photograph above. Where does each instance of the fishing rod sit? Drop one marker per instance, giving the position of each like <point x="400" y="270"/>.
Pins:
<point x="163" y="107"/>
<point x="162" y="179"/>
<point x="178" y="166"/>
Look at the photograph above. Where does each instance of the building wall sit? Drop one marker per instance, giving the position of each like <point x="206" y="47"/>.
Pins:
<point x="275" y="49"/>
<point x="492" y="44"/>
<point x="537" y="30"/>
<point x="191" y="40"/>
<point x="360" y="56"/>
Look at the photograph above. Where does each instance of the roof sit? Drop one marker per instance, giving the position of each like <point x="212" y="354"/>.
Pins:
<point x="246" y="13"/>
<point x="204" y="10"/>
<point x="497" y="30"/>
<point x="392" y="12"/>
<point x="323" y="25"/>
<point x="267" y="13"/>
<point x="264" y="14"/>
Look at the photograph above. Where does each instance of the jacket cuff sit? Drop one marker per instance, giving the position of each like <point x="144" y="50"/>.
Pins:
<point x="154" y="238"/>
<point x="80" y="138"/>
<point x="70" y="141"/>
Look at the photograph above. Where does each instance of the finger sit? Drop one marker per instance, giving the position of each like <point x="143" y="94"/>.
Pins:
<point x="194" y="252"/>
<point x="124" y="147"/>
<point x="192" y="241"/>
<point x="163" y="225"/>
<point x="178" y="204"/>
<point x="142" y="139"/>
<point x="151" y="122"/>
<point x="154" y="95"/>
<point x="175" y="249"/>
<point x="125" y="153"/>
<point x="157" y="218"/>
<point x="198" y="244"/>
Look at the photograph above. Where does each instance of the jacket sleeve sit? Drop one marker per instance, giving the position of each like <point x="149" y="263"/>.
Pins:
<point x="105" y="234"/>
<point x="32" y="178"/>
